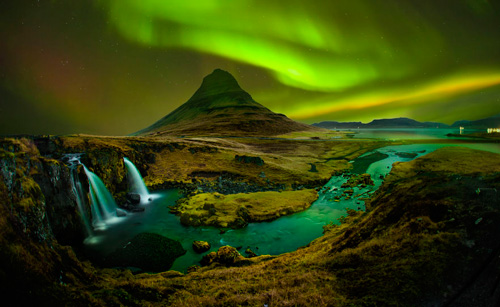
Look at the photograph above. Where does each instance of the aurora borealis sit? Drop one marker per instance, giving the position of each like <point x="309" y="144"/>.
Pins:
<point x="115" y="66"/>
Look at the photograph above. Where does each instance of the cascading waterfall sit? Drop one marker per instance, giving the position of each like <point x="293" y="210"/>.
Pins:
<point x="103" y="209"/>
<point x="135" y="180"/>
<point x="102" y="202"/>
<point x="76" y="187"/>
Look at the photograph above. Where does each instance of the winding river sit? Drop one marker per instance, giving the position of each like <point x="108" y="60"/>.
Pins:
<point x="282" y="235"/>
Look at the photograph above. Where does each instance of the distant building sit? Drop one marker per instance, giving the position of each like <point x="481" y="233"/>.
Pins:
<point x="493" y="130"/>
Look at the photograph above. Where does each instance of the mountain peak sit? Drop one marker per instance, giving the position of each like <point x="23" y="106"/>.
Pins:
<point x="221" y="107"/>
<point x="218" y="82"/>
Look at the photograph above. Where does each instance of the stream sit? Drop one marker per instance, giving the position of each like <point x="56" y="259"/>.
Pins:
<point x="282" y="235"/>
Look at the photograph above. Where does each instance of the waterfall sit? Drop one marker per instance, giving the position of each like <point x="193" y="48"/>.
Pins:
<point x="135" y="180"/>
<point x="103" y="204"/>
<point x="76" y="187"/>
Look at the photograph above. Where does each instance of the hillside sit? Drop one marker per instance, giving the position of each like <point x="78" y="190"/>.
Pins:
<point x="400" y="122"/>
<point x="489" y="122"/>
<point x="220" y="107"/>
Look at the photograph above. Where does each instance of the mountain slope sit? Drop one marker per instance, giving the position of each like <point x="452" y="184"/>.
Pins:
<point x="489" y="122"/>
<point x="220" y="107"/>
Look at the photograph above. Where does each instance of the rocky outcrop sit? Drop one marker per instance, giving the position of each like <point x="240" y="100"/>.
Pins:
<point x="226" y="255"/>
<point x="35" y="209"/>
<point x="147" y="251"/>
<point x="39" y="192"/>
<point x="358" y="180"/>
<point x="201" y="246"/>
<point x="250" y="160"/>
<point x="250" y="253"/>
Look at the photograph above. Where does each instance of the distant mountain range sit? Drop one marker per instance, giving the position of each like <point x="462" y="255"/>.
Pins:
<point x="221" y="107"/>
<point x="403" y="122"/>
<point x="489" y="122"/>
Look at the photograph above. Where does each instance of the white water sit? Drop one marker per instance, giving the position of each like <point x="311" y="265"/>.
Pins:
<point x="102" y="202"/>
<point x="76" y="187"/>
<point x="279" y="236"/>
<point x="136" y="183"/>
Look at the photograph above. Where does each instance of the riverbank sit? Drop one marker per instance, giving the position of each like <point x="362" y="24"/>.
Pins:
<point x="417" y="236"/>
<point x="430" y="219"/>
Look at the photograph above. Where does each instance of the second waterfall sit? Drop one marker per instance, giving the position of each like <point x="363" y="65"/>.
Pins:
<point x="136" y="183"/>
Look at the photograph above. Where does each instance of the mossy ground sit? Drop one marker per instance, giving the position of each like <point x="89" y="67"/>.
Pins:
<point x="237" y="210"/>
<point x="428" y="237"/>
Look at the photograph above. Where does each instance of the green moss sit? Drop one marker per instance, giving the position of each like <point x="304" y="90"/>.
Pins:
<point x="147" y="251"/>
<point x="236" y="210"/>
<point x="412" y="243"/>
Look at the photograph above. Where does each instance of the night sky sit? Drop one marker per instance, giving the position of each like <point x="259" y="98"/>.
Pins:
<point x="113" y="67"/>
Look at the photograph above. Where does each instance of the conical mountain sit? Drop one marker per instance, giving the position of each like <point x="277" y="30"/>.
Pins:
<point x="220" y="107"/>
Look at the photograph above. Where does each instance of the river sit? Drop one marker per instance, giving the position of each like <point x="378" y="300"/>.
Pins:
<point x="282" y="235"/>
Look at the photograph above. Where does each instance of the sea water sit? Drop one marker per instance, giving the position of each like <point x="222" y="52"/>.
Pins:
<point x="409" y="134"/>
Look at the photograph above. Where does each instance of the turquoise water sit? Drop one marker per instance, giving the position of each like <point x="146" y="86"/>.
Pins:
<point x="408" y="134"/>
<point x="282" y="235"/>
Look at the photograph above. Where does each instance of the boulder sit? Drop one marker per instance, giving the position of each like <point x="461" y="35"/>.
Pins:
<point x="248" y="159"/>
<point x="313" y="168"/>
<point x="193" y="268"/>
<point x="226" y="255"/>
<point x="358" y="180"/>
<point x="208" y="259"/>
<point x="133" y="198"/>
<point x="201" y="246"/>
<point x="250" y="253"/>
<point x="121" y="212"/>
<point x="148" y="251"/>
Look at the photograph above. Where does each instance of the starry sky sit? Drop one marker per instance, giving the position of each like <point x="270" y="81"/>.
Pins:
<point x="113" y="67"/>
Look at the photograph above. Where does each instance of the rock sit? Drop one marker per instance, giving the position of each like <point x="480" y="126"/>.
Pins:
<point x="148" y="251"/>
<point x="121" y="212"/>
<point x="363" y="179"/>
<point x="313" y="168"/>
<point x="201" y="246"/>
<point x="193" y="268"/>
<point x="226" y="255"/>
<point x="208" y="259"/>
<point x="250" y="253"/>
<point x="133" y="198"/>
<point x="247" y="159"/>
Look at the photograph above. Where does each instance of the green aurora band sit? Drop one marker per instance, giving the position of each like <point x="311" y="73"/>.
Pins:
<point x="327" y="60"/>
<point x="300" y="47"/>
